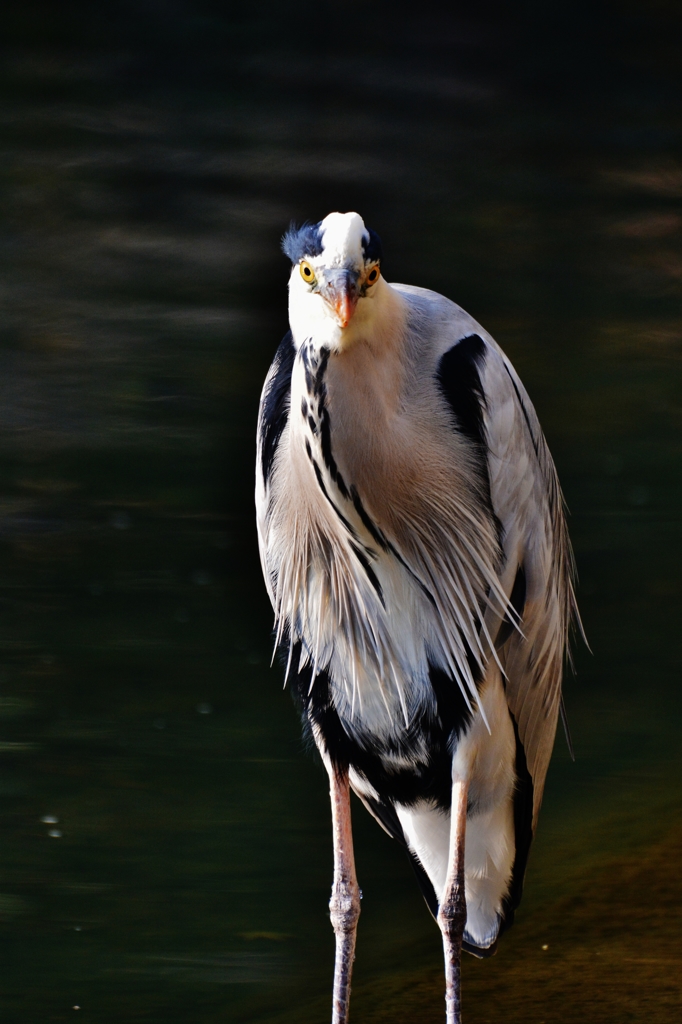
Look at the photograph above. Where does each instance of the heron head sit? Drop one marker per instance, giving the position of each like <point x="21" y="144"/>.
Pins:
<point x="335" y="275"/>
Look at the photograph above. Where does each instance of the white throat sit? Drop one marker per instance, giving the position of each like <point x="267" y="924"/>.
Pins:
<point x="379" y="317"/>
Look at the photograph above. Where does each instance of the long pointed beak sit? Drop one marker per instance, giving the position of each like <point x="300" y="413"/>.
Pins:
<point x="341" y="293"/>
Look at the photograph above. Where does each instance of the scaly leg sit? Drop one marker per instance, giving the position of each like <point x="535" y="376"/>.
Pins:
<point x="452" y="914"/>
<point x="345" y="902"/>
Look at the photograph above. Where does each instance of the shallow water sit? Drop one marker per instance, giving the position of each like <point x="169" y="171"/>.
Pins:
<point x="532" y="172"/>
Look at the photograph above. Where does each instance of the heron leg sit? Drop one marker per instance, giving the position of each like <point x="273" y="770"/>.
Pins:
<point x="452" y="913"/>
<point x="344" y="904"/>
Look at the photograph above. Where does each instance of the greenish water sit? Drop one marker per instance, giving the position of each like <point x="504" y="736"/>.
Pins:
<point x="531" y="169"/>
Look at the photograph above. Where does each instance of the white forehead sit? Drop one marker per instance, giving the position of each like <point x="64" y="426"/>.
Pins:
<point x="342" y="236"/>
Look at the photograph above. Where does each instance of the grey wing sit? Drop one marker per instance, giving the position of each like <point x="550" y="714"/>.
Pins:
<point x="537" y="571"/>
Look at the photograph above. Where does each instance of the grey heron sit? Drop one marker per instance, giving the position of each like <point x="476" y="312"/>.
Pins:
<point x="415" y="550"/>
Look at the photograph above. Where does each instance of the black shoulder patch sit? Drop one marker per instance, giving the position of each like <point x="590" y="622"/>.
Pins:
<point x="371" y="245"/>
<point x="460" y="381"/>
<point x="300" y="242"/>
<point x="275" y="403"/>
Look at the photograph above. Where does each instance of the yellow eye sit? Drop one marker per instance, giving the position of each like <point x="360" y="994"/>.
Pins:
<point x="307" y="272"/>
<point x="374" y="274"/>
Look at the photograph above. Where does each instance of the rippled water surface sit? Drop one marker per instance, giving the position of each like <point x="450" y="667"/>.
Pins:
<point x="166" y="851"/>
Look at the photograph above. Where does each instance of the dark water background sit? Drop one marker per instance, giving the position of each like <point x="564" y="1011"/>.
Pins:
<point x="528" y="164"/>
